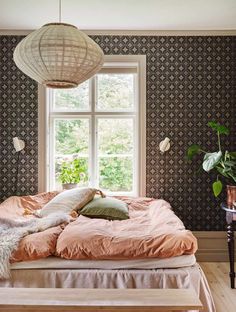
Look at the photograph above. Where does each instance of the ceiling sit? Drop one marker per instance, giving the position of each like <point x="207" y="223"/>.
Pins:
<point x="121" y="14"/>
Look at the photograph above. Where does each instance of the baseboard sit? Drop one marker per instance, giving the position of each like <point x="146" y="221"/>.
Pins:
<point x="212" y="246"/>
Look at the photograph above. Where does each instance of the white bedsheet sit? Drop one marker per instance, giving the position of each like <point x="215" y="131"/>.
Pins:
<point x="59" y="263"/>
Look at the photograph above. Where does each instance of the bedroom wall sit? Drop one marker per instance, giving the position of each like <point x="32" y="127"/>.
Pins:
<point x="190" y="80"/>
<point x="18" y="117"/>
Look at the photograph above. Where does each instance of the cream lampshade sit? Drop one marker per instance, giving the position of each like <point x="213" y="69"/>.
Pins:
<point x="58" y="55"/>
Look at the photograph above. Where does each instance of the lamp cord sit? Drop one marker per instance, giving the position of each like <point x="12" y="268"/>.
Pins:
<point x="59" y="11"/>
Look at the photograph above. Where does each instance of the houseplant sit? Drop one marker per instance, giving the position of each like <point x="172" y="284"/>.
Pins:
<point x="222" y="162"/>
<point x="72" y="172"/>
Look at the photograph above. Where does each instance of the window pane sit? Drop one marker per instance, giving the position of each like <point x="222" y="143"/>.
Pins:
<point x="71" y="151"/>
<point x="116" y="174"/>
<point x="72" y="136"/>
<point x="72" y="99"/>
<point x="115" y="154"/>
<point x="115" y="135"/>
<point x="115" y="91"/>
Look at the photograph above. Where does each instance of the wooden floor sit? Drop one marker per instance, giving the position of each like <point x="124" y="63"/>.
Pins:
<point x="217" y="274"/>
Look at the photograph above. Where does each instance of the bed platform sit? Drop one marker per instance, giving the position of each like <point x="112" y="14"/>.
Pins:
<point x="188" y="277"/>
<point x="160" y="256"/>
<point x="95" y="300"/>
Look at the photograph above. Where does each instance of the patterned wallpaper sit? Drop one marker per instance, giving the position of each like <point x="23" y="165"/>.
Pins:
<point x="18" y="117"/>
<point x="190" y="80"/>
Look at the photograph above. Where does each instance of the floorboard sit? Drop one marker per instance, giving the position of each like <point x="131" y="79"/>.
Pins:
<point x="217" y="274"/>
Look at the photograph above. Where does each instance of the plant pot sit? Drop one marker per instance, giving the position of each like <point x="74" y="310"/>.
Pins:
<point x="69" y="186"/>
<point x="231" y="196"/>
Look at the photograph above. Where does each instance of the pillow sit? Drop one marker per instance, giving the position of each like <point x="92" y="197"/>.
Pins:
<point x="106" y="208"/>
<point x="67" y="201"/>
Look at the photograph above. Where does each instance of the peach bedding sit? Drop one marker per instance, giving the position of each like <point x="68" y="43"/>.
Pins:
<point x="153" y="231"/>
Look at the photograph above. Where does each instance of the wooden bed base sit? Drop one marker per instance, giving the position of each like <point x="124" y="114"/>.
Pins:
<point x="97" y="300"/>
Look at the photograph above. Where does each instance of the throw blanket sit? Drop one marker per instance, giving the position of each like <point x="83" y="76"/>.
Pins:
<point x="11" y="232"/>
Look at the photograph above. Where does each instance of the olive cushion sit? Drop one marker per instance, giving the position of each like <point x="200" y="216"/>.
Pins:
<point x="106" y="208"/>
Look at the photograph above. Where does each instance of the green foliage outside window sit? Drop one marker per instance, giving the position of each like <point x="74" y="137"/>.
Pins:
<point x="69" y="99"/>
<point x="116" y="174"/>
<point x="73" y="171"/>
<point x="115" y="91"/>
<point x="71" y="136"/>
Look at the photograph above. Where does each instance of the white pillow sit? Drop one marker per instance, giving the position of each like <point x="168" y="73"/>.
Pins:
<point x="67" y="201"/>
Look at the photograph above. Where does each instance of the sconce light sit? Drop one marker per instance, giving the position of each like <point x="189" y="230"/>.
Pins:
<point x="19" y="145"/>
<point x="164" y="145"/>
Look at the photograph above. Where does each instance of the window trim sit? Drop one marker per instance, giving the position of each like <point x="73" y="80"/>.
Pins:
<point x="44" y="125"/>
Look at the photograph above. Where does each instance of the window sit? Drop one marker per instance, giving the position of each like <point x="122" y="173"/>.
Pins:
<point x="101" y="126"/>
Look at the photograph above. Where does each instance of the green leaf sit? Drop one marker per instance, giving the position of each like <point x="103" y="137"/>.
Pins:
<point x="217" y="188"/>
<point x="219" y="128"/>
<point x="212" y="124"/>
<point x="225" y="170"/>
<point x="211" y="160"/>
<point x="229" y="163"/>
<point x="232" y="154"/>
<point x="233" y="176"/>
<point x="192" y="151"/>
<point x="222" y="171"/>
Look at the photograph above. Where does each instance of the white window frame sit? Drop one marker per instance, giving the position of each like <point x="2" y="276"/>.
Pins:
<point x="44" y="124"/>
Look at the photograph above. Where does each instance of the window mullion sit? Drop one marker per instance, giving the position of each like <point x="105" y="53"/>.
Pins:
<point x="52" y="153"/>
<point x="93" y="157"/>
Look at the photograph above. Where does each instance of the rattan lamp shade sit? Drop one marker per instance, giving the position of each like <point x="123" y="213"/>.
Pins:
<point x="58" y="55"/>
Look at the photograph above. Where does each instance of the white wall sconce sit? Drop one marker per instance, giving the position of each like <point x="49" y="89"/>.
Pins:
<point x="164" y="145"/>
<point x="19" y="145"/>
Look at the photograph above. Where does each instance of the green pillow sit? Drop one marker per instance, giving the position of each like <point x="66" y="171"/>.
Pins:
<point x="106" y="208"/>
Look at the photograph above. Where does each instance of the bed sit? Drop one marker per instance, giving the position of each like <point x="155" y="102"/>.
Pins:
<point x="150" y="250"/>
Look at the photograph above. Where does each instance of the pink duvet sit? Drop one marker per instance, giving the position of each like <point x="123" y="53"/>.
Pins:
<point x="153" y="230"/>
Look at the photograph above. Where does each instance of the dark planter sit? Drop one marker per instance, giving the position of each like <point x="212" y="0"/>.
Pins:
<point x="231" y="196"/>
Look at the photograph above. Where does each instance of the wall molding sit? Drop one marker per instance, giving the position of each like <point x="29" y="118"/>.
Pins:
<point x="42" y="139"/>
<point x="226" y="32"/>
<point x="212" y="246"/>
<point x="163" y="32"/>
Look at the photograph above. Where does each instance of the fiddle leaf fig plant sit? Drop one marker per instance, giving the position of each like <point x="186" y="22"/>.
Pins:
<point x="223" y="162"/>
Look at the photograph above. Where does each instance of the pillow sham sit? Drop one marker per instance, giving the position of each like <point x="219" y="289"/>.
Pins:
<point x="106" y="208"/>
<point x="68" y="201"/>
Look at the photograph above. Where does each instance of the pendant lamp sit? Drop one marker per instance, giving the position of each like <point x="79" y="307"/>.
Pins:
<point x="58" y="55"/>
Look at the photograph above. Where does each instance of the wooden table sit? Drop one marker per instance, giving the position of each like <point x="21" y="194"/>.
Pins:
<point x="230" y="219"/>
<point x="97" y="300"/>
